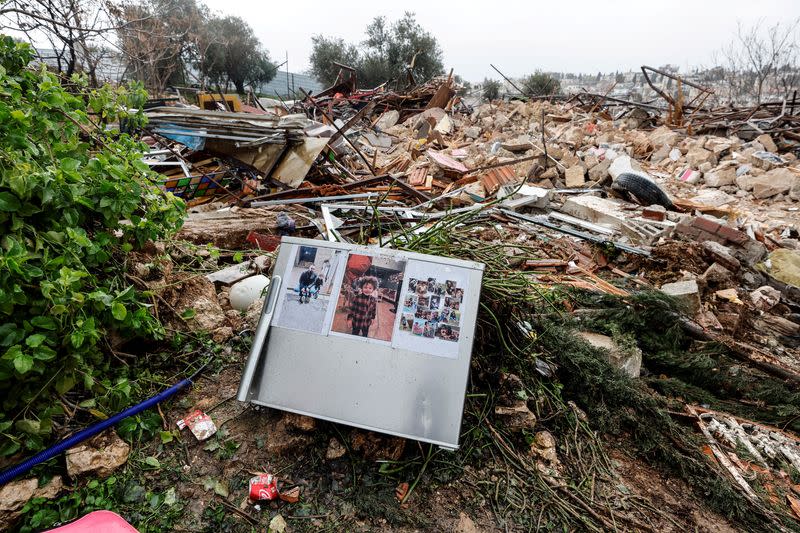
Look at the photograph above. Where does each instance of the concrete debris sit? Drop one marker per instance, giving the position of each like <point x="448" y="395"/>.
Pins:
<point x="335" y="450"/>
<point x="101" y="455"/>
<point x="14" y="495"/>
<point x="687" y="292"/>
<point x="628" y="359"/>
<point x="765" y="298"/>
<point x="516" y="417"/>
<point x="774" y="182"/>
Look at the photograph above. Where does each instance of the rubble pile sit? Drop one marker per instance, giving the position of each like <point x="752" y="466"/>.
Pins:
<point x="561" y="199"/>
<point x="602" y="199"/>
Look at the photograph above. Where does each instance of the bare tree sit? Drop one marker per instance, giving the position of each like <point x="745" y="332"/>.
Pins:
<point x="763" y="61"/>
<point x="73" y="28"/>
<point x="160" y="40"/>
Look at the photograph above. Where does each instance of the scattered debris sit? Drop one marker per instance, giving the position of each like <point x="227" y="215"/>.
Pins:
<point x="263" y="487"/>
<point x="199" y="423"/>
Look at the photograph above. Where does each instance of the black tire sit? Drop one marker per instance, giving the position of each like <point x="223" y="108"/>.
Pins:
<point x="642" y="189"/>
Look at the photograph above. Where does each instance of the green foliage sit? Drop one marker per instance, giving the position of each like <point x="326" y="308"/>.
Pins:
<point x="325" y="51"/>
<point x="74" y="196"/>
<point x="491" y="89"/>
<point x="384" y="55"/>
<point x="235" y="55"/>
<point x="540" y="84"/>
<point x="147" y="510"/>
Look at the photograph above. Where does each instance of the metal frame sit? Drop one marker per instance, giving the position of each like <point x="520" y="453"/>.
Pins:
<point x="347" y="380"/>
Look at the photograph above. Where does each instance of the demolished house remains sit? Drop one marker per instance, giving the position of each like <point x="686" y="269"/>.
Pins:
<point x="584" y="194"/>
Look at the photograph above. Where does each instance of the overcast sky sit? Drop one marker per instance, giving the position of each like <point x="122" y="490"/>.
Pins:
<point x="517" y="36"/>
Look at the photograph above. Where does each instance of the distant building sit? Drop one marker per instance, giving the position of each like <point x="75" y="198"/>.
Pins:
<point x="289" y="85"/>
<point x="111" y="68"/>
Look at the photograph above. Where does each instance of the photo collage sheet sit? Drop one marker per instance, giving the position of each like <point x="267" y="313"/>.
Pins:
<point x="407" y="304"/>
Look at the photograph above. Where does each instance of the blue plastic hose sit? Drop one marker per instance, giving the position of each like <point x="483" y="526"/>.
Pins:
<point x="91" y="431"/>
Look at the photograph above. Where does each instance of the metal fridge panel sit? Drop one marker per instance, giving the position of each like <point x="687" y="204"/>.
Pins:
<point x="368" y="385"/>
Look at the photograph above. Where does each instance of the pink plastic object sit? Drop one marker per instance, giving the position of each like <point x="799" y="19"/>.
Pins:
<point x="97" y="522"/>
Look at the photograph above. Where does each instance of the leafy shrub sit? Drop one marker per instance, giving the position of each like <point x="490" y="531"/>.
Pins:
<point x="540" y="84"/>
<point x="491" y="89"/>
<point x="74" y="197"/>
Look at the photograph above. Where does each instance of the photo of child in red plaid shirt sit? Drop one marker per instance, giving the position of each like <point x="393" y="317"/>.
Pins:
<point x="363" y="306"/>
<point x="369" y="297"/>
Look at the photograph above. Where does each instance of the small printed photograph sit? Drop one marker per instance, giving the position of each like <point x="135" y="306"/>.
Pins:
<point x="369" y="297"/>
<point x="423" y="301"/>
<point x="435" y="317"/>
<point x="430" y="330"/>
<point x="310" y="278"/>
<point x="431" y="283"/>
<point x="406" y="321"/>
<point x="420" y="287"/>
<point x="435" y="301"/>
<point x="412" y="285"/>
<point x="419" y="326"/>
<point x="421" y="312"/>
<point x="439" y="290"/>
<point x="447" y="332"/>
<point x="410" y="304"/>
<point x="452" y="303"/>
<point x="453" y="317"/>
<point x="450" y="287"/>
<point x="459" y="295"/>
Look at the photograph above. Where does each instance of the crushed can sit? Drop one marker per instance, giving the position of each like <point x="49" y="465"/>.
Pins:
<point x="263" y="487"/>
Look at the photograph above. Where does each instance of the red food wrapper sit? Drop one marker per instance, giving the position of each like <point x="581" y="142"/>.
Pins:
<point x="199" y="423"/>
<point x="263" y="487"/>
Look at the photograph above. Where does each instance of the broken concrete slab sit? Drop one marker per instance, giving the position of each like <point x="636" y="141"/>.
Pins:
<point x="524" y="196"/>
<point x="610" y="213"/>
<point x="599" y="173"/>
<point x="387" y="120"/>
<point x="472" y="132"/>
<point x="774" y="182"/>
<point x="628" y="359"/>
<point x="687" y="292"/>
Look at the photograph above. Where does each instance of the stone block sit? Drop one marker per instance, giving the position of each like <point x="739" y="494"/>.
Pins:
<point x="698" y="155"/>
<point x="575" y="177"/>
<point x="687" y="292"/>
<point x="776" y="181"/>
<point x="626" y="359"/>
<point x="767" y="142"/>
<point x="720" y="177"/>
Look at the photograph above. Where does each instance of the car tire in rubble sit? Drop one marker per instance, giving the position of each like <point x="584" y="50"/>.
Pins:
<point x="642" y="189"/>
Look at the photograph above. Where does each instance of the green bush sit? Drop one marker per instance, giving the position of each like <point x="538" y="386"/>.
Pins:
<point x="540" y="84"/>
<point x="74" y="197"/>
<point x="491" y="89"/>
